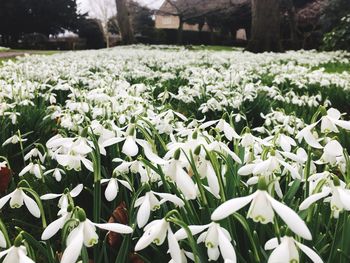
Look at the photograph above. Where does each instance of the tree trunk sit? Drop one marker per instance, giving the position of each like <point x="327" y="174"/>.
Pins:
<point x="124" y="22"/>
<point x="265" y="26"/>
<point x="293" y="25"/>
<point x="180" y="31"/>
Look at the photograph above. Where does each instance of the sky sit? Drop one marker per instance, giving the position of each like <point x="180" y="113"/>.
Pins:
<point x="86" y="6"/>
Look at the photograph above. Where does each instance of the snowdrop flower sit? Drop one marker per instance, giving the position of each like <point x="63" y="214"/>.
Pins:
<point x="330" y="122"/>
<point x="287" y="251"/>
<point x="205" y="169"/>
<point x="339" y="200"/>
<point x="270" y="165"/>
<point x="70" y="152"/>
<point x="18" y="198"/>
<point x="130" y="147"/>
<point x="85" y="234"/>
<point x="216" y="239"/>
<point x="63" y="202"/>
<point x="14" y="140"/>
<point x="56" y="225"/>
<point x="285" y="142"/>
<point x="13" y="116"/>
<point x="17" y="253"/>
<point x="174" y="172"/>
<point x="35" y="153"/>
<point x="149" y="202"/>
<point x="224" y="127"/>
<point x="262" y="210"/>
<point x="112" y="188"/>
<point x="332" y="152"/>
<point x="34" y="169"/>
<point x="156" y="232"/>
<point x="309" y="137"/>
<point x="56" y="173"/>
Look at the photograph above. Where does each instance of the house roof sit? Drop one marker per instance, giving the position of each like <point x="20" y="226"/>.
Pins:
<point x="196" y="8"/>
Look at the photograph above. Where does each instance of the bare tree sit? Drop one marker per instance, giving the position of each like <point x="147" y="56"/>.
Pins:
<point x="103" y="10"/>
<point x="124" y="21"/>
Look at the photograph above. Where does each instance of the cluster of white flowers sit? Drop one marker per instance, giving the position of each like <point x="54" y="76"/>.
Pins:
<point x="177" y="138"/>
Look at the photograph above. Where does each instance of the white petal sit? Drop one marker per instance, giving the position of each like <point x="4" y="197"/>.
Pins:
<point x="292" y="219"/>
<point x="246" y="169"/>
<point x="149" y="153"/>
<point x="115" y="227"/>
<point x="144" y="212"/>
<point x="3" y="243"/>
<point x="111" y="190"/>
<point x="271" y="244"/>
<point x="181" y="234"/>
<point x="72" y="252"/>
<point x="310" y="253"/>
<point x="333" y="148"/>
<point x="125" y="184"/>
<point x="130" y="147"/>
<point x="312" y="141"/>
<point x="53" y="228"/>
<point x="185" y="184"/>
<point x="76" y="190"/>
<point x="213" y="181"/>
<point x="226" y="248"/>
<point x="31" y="205"/>
<point x="333" y="113"/>
<point x="231" y="206"/>
<point x="112" y="141"/>
<point x="87" y="163"/>
<point x="171" y="198"/>
<point x="343" y="124"/>
<point x="293" y="171"/>
<point x="174" y="248"/>
<point x="312" y="199"/>
<point x="49" y="196"/>
<point x="5" y="199"/>
<point x="280" y="254"/>
<point x="23" y="256"/>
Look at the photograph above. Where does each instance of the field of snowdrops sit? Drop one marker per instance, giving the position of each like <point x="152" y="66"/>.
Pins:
<point x="162" y="154"/>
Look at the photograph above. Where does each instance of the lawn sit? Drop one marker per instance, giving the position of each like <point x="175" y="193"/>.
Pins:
<point x="189" y="154"/>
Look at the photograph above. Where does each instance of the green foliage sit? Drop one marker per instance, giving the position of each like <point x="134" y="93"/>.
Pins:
<point x="339" y="37"/>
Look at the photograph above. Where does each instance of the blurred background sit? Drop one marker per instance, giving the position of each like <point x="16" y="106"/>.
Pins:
<point x="258" y="25"/>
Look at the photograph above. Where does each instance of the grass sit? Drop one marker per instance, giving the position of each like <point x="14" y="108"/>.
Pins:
<point x="335" y="67"/>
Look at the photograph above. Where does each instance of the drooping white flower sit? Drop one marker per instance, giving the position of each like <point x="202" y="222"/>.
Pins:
<point x="330" y="121"/>
<point x="16" y="254"/>
<point x="18" y="198"/>
<point x="332" y="152"/>
<point x="56" y="173"/>
<point x="35" y="153"/>
<point x="262" y="210"/>
<point x="309" y="137"/>
<point x="56" y="225"/>
<point x="339" y="199"/>
<point x="34" y="169"/>
<point x="174" y="172"/>
<point x="112" y="188"/>
<point x="71" y="152"/>
<point x="149" y="202"/>
<point x="85" y="234"/>
<point x="154" y="232"/>
<point x="216" y="238"/>
<point x="287" y="251"/>
<point x="14" y="140"/>
<point x="63" y="202"/>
